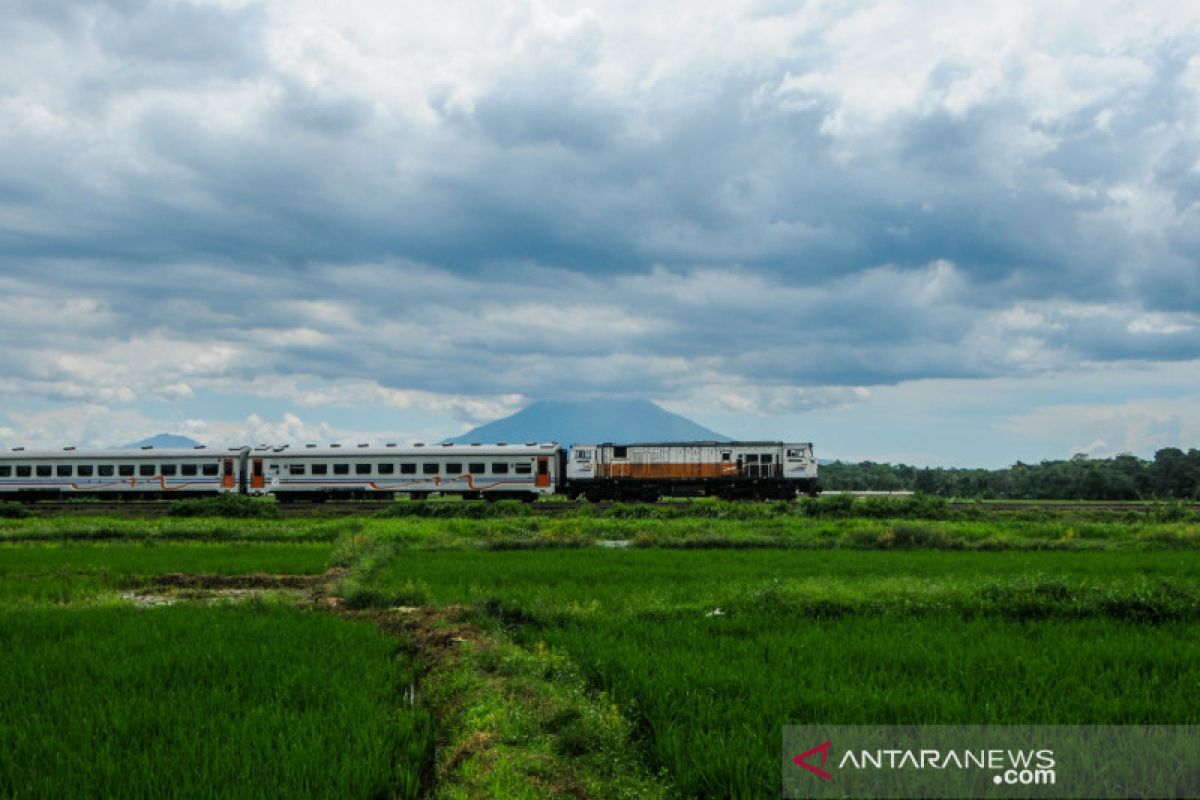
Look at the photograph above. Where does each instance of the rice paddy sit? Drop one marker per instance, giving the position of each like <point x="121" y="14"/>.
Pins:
<point x="184" y="701"/>
<point x="168" y="657"/>
<point x="711" y="653"/>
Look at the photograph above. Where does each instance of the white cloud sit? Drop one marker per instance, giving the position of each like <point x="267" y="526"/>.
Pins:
<point x="451" y="209"/>
<point x="1138" y="426"/>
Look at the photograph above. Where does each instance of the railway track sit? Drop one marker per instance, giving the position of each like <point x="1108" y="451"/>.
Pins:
<point x="159" y="508"/>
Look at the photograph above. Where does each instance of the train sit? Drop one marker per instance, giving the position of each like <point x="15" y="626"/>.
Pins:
<point x="607" y="471"/>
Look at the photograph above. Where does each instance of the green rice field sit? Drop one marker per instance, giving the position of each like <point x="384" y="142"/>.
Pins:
<point x="712" y="652"/>
<point x="203" y="702"/>
<point x="619" y="655"/>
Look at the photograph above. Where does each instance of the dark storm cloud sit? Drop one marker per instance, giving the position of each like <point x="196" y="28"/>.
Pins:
<point x="546" y="221"/>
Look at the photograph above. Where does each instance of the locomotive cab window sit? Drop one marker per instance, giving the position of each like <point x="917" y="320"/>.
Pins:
<point x="795" y="453"/>
<point x="726" y="455"/>
<point x="620" y="452"/>
<point x="583" y="455"/>
<point x="105" y="470"/>
<point x="63" y="470"/>
<point x="189" y="470"/>
<point x="125" y="470"/>
<point x="767" y="458"/>
<point x="85" y="470"/>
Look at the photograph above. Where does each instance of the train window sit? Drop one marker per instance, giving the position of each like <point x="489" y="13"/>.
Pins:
<point x="795" y="453"/>
<point x="521" y="468"/>
<point x="43" y="470"/>
<point x="320" y="469"/>
<point x="85" y="470"/>
<point x="105" y="470"/>
<point x="24" y="471"/>
<point x="620" y="452"/>
<point x="341" y="469"/>
<point x="726" y="455"/>
<point x="751" y="458"/>
<point x="168" y="470"/>
<point x="583" y="455"/>
<point x="453" y="469"/>
<point x="211" y="470"/>
<point x="146" y="470"/>
<point x="386" y="469"/>
<point x="767" y="458"/>
<point x="64" y="470"/>
<point x="296" y="469"/>
<point x="499" y="469"/>
<point x="5" y="471"/>
<point x="125" y="470"/>
<point x="429" y="468"/>
<point x="189" y="470"/>
<point x="476" y="469"/>
<point x="408" y="469"/>
<point x="362" y="469"/>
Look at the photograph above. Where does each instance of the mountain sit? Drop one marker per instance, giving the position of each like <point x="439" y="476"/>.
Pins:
<point x="163" y="441"/>
<point x="590" y="422"/>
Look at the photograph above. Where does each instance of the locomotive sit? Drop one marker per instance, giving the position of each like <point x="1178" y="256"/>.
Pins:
<point x="636" y="471"/>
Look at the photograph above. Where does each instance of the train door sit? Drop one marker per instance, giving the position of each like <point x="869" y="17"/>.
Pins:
<point x="543" y="472"/>
<point x="769" y="468"/>
<point x="227" y="473"/>
<point x="256" y="475"/>
<point x="752" y="468"/>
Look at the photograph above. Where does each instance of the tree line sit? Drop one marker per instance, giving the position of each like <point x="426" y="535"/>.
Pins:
<point x="1172" y="474"/>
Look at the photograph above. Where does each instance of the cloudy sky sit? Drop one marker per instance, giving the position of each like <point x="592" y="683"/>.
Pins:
<point x="945" y="233"/>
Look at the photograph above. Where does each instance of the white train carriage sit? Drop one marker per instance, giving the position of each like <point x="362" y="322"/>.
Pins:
<point x="646" y="471"/>
<point x="141" y="474"/>
<point x="491" y="471"/>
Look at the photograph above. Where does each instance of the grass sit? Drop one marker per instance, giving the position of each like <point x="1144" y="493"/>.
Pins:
<point x="773" y="530"/>
<point x="710" y="652"/>
<point x="204" y="702"/>
<point x="555" y="583"/>
<point x="153" y="557"/>
<point x="64" y="573"/>
<point x="667" y="664"/>
<point x="711" y="695"/>
<point x="519" y="722"/>
<point x="237" y="696"/>
<point x="100" y="528"/>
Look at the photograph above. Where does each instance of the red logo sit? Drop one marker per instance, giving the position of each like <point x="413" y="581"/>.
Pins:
<point x="823" y="749"/>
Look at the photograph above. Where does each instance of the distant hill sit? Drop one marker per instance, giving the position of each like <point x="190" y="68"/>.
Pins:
<point x="591" y="422"/>
<point x="163" y="441"/>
